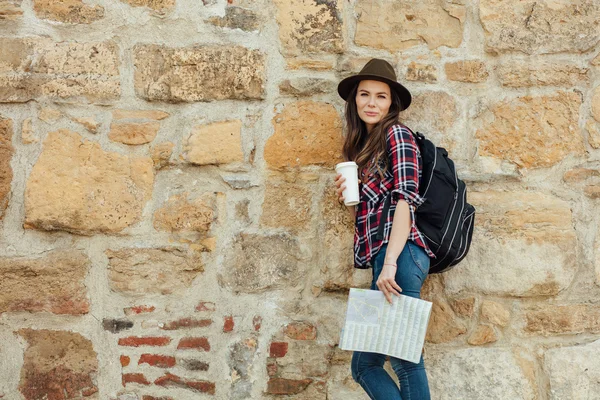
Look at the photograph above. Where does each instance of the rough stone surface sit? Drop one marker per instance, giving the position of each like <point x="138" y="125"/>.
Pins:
<point x="201" y="73"/>
<point x="216" y="143"/>
<point x="159" y="6"/>
<point x="444" y="326"/>
<point x="551" y="320"/>
<point x="58" y="365"/>
<point x="238" y="18"/>
<point x="596" y="104"/>
<point x="527" y="236"/>
<point x="161" y="154"/>
<point x="546" y="123"/>
<point x="394" y="26"/>
<point x="39" y="68"/>
<point x="306" y="133"/>
<point x="240" y="361"/>
<point x="573" y="373"/>
<point x="53" y="283"/>
<point x="477" y="373"/>
<point x="180" y="214"/>
<point x="310" y="27"/>
<point x="495" y="313"/>
<point x="78" y="187"/>
<point x="473" y="71"/>
<point x="300" y="87"/>
<point x="532" y="74"/>
<point x="431" y="112"/>
<point x="6" y="153"/>
<point x="90" y="123"/>
<point x="540" y="27"/>
<point x="483" y="334"/>
<point x="10" y="10"/>
<point x="69" y="11"/>
<point x="256" y="263"/>
<point x="142" y="271"/>
<point x="127" y="133"/>
<point x="421" y="72"/>
<point x="286" y="205"/>
<point x="464" y="307"/>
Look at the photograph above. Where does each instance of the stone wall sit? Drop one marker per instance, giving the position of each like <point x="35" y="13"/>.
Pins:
<point x="168" y="225"/>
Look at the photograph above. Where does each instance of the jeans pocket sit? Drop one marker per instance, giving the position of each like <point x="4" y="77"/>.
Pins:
<point x="419" y="257"/>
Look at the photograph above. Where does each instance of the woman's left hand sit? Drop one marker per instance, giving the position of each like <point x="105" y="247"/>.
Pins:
<point x="387" y="282"/>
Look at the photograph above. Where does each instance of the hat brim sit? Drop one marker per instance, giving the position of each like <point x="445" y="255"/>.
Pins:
<point x="346" y="85"/>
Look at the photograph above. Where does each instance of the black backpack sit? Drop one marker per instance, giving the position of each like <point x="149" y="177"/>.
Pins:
<point x="445" y="218"/>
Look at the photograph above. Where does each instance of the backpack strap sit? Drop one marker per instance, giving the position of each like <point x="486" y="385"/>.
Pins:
<point x="383" y="219"/>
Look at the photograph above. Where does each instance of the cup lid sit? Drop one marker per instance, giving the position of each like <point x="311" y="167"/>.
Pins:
<point x="346" y="164"/>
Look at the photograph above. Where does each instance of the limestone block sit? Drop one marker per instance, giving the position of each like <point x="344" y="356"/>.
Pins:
<point x="548" y="124"/>
<point x="585" y="180"/>
<point x="444" y="326"/>
<point x="6" y="152"/>
<point x="58" y="365"/>
<point x="596" y="104"/>
<point x="535" y="73"/>
<point x="198" y="73"/>
<point x="139" y="271"/>
<point x="310" y="27"/>
<point x="421" y="72"/>
<point x="159" y="6"/>
<point x="305" y="359"/>
<point x="473" y="71"/>
<point x="216" y="143"/>
<point x="89" y="123"/>
<point x="306" y="133"/>
<point x="540" y="27"/>
<point x="237" y="18"/>
<point x="39" y="68"/>
<point x="549" y="320"/>
<point x="573" y="372"/>
<point x="432" y="112"/>
<point x="10" y="10"/>
<point x="286" y="205"/>
<point x="49" y="115"/>
<point x="298" y="87"/>
<point x="69" y="11"/>
<point x="53" y="283"/>
<point x="161" y="154"/>
<point x="495" y="313"/>
<point x="179" y="214"/>
<point x="464" y="307"/>
<point x="27" y="133"/>
<point x="397" y="25"/>
<point x="523" y="245"/>
<point x="477" y="373"/>
<point x="256" y="263"/>
<point x="483" y="334"/>
<point x="78" y="187"/>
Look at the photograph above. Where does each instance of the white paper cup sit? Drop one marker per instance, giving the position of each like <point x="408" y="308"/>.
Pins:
<point x="349" y="170"/>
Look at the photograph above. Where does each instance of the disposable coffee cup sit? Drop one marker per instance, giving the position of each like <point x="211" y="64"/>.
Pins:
<point x="349" y="170"/>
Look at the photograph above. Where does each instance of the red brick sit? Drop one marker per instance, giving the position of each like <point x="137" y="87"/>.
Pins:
<point x="206" y="306"/>
<point x="186" y="323"/>
<point x="138" y="310"/>
<point x="170" y="380"/>
<point x="134" y="378"/>
<point x="136" y="341"/>
<point x="257" y="322"/>
<point x="157" y="360"/>
<point x="200" y="343"/>
<point x="278" y="349"/>
<point x="125" y="360"/>
<point x="89" y="392"/>
<point x="287" y="386"/>
<point x="228" y="323"/>
<point x="301" y="331"/>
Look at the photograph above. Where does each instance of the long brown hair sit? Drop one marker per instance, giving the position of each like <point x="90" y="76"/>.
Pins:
<point x="368" y="150"/>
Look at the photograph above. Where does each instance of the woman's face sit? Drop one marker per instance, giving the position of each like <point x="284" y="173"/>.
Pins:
<point x="373" y="101"/>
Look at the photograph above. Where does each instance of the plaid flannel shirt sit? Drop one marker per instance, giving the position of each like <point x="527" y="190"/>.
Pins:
<point x="401" y="179"/>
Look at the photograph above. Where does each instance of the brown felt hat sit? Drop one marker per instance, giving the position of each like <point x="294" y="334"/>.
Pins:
<point x="377" y="70"/>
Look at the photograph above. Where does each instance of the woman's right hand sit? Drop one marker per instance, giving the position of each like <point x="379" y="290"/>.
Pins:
<point x="339" y="183"/>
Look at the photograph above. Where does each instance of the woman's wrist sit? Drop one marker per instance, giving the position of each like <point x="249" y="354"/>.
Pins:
<point x="392" y="264"/>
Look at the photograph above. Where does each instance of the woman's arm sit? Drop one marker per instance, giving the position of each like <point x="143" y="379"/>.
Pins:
<point x="400" y="230"/>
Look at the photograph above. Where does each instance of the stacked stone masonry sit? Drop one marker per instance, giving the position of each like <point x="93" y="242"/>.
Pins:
<point x="168" y="223"/>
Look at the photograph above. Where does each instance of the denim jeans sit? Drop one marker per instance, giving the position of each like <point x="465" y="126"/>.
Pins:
<point x="367" y="368"/>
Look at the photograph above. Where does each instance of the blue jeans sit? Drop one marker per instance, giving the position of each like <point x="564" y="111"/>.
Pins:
<point x="367" y="368"/>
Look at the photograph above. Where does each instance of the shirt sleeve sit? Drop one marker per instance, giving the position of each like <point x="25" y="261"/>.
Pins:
<point x="404" y="163"/>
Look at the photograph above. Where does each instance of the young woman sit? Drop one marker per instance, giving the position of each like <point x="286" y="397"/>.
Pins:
<point x="389" y="164"/>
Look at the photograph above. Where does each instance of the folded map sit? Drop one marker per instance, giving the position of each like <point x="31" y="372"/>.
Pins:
<point x="376" y="326"/>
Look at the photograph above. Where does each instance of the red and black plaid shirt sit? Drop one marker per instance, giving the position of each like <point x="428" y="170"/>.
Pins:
<point x="401" y="178"/>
